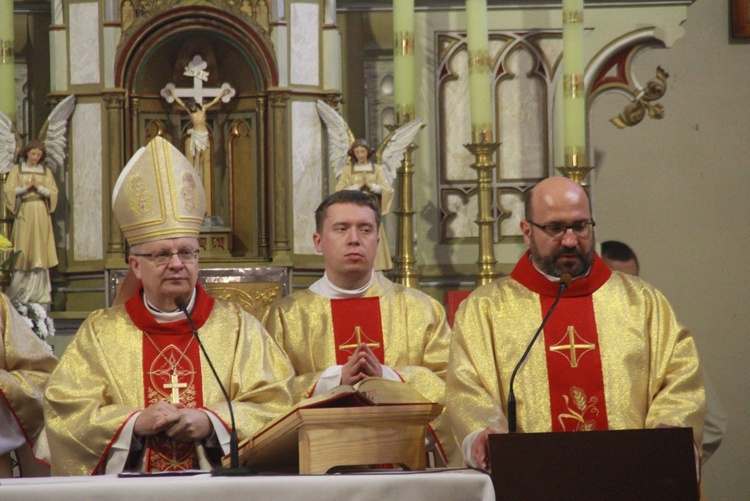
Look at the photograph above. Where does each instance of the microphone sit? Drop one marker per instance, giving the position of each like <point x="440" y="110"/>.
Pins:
<point x="565" y="280"/>
<point x="234" y="456"/>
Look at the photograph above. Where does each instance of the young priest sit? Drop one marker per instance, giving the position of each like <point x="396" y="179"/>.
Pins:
<point x="354" y="322"/>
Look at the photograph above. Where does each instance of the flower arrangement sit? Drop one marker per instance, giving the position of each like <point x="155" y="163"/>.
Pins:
<point x="35" y="316"/>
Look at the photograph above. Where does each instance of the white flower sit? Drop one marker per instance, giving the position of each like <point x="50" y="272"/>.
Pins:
<point x="38" y="311"/>
<point x="35" y="316"/>
<point x="28" y="322"/>
<point x="21" y="308"/>
<point x="50" y="326"/>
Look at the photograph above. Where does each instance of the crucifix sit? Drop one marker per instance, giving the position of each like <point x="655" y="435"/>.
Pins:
<point x="174" y="385"/>
<point x="572" y="346"/>
<point x="199" y="133"/>
<point x="358" y="334"/>
<point x="196" y="69"/>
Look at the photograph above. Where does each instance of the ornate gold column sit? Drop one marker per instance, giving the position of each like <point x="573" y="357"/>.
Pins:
<point x="133" y="144"/>
<point x="280" y="214"/>
<point x="263" y="242"/>
<point x="7" y="60"/>
<point x="484" y="166"/>
<point x="7" y="104"/>
<point x="114" y="101"/>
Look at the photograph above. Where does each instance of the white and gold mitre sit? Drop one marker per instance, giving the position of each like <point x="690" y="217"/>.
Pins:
<point x="158" y="195"/>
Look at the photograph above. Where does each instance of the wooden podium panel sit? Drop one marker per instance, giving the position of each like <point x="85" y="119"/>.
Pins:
<point x="654" y="464"/>
<point x="316" y="440"/>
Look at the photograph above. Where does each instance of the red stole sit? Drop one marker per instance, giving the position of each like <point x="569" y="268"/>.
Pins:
<point x="173" y="370"/>
<point x="356" y="321"/>
<point x="574" y="365"/>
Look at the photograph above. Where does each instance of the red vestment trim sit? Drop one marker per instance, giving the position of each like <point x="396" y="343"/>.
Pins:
<point x="571" y="338"/>
<point x="178" y="354"/>
<point x="356" y="320"/>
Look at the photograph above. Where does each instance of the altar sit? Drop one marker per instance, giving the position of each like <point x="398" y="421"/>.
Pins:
<point x="435" y="485"/>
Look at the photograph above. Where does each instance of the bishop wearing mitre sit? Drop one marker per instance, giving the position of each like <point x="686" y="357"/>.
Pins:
<point x="133" y="391"/>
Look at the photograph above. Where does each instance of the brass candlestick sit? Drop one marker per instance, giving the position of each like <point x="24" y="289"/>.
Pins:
<point x="483" y="164"/>
<point x="405" y="272"/>
<point x="575" y="168"/>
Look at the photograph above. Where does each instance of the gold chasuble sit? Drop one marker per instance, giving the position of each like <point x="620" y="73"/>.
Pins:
<point x="25" y="365"/>
<point x="413" y="334"/>
<point x="612" y="356"/>
<point x="122" y="360"/>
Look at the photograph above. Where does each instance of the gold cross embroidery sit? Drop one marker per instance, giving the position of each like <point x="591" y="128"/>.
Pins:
<point x="574" y="356"/>
<point x="174" y="385"/>
<point x="358" y="334"/>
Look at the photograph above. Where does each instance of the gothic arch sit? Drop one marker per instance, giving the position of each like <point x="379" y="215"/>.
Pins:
<point x="245" y="35"/>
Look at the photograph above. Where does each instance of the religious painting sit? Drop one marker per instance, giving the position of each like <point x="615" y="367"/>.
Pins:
<point x="741" y="18"/>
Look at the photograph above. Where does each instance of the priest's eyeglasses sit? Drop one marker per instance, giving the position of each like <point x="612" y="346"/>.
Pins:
<point x="163" y="257"/>
<point x="556" y="230"/>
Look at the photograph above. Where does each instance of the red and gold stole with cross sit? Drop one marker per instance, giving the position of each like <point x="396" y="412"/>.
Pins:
<point x="357" y="321"/>
<point x="171" y="372"/>
<point x="574" y="364"/>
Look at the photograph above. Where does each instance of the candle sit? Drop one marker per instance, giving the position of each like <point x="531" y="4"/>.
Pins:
<point x="479" y="71"/>
<point x="574" y="100"/>
<point x="403" y="59"/>
<point x="7" y="68"/>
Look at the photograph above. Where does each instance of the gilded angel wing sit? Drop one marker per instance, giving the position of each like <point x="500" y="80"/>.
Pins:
<point x="340" y="137"/>
<point x="9" y="143"/>
<point x="391" y="152"/>
<point x="54" y="131"/>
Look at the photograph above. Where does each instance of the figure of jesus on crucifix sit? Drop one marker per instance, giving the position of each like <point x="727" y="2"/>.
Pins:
<point x="193" y="104"/>
<point x="199" y="132"/>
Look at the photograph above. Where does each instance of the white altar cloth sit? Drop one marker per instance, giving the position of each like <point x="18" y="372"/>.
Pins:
<point x="434" y="485"/>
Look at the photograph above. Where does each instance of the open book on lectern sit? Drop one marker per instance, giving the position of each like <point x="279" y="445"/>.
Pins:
<point x="370" y="392"/>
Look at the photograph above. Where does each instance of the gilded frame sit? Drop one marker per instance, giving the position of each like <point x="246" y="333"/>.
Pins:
<point x="740" y="18"/>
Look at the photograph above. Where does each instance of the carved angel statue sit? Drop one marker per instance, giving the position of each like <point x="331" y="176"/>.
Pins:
<point x="356" y="166"/>
<point x="30" y="193"/>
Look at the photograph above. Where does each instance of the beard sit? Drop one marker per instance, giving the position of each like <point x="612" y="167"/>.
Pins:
<point x="555" y="264"/>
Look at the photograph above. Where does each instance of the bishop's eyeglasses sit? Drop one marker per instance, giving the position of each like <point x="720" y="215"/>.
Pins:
<point x="556" y="230"/>
<point x="163" y="257"/>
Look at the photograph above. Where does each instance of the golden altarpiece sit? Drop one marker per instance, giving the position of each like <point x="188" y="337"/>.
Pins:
<point x="265" y="166"/>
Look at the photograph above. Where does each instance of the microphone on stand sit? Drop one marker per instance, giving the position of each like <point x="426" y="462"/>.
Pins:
<point x="565" y="280"/>
<point x="234" y="456"/>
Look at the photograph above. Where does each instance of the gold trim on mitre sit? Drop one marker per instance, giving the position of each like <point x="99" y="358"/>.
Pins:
<point x="159" y="195"/>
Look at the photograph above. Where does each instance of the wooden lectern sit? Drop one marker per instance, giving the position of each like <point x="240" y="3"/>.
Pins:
<point x="319" y="439"/>
<point x="656" y="464"/>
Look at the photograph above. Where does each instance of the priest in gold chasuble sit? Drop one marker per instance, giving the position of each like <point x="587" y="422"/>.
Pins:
<point x="611" y="356"/>
<point x="25" y="365"/>
<point x="354" y="322"/>
<point x="133" y="391"/>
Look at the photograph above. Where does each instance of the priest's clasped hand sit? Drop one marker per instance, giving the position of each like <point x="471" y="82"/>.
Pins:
<point x="174" y="420"/>
<point x="363" y="363"/>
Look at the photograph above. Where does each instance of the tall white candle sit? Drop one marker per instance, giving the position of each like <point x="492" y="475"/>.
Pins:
<point x="574" y="100"/>
<point x="403" y="59"/>
<point x="479" y="71"/>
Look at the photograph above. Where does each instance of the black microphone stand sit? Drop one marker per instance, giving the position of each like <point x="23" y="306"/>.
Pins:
<point x="564" y="282"/>
<point x="234" y="469"/>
